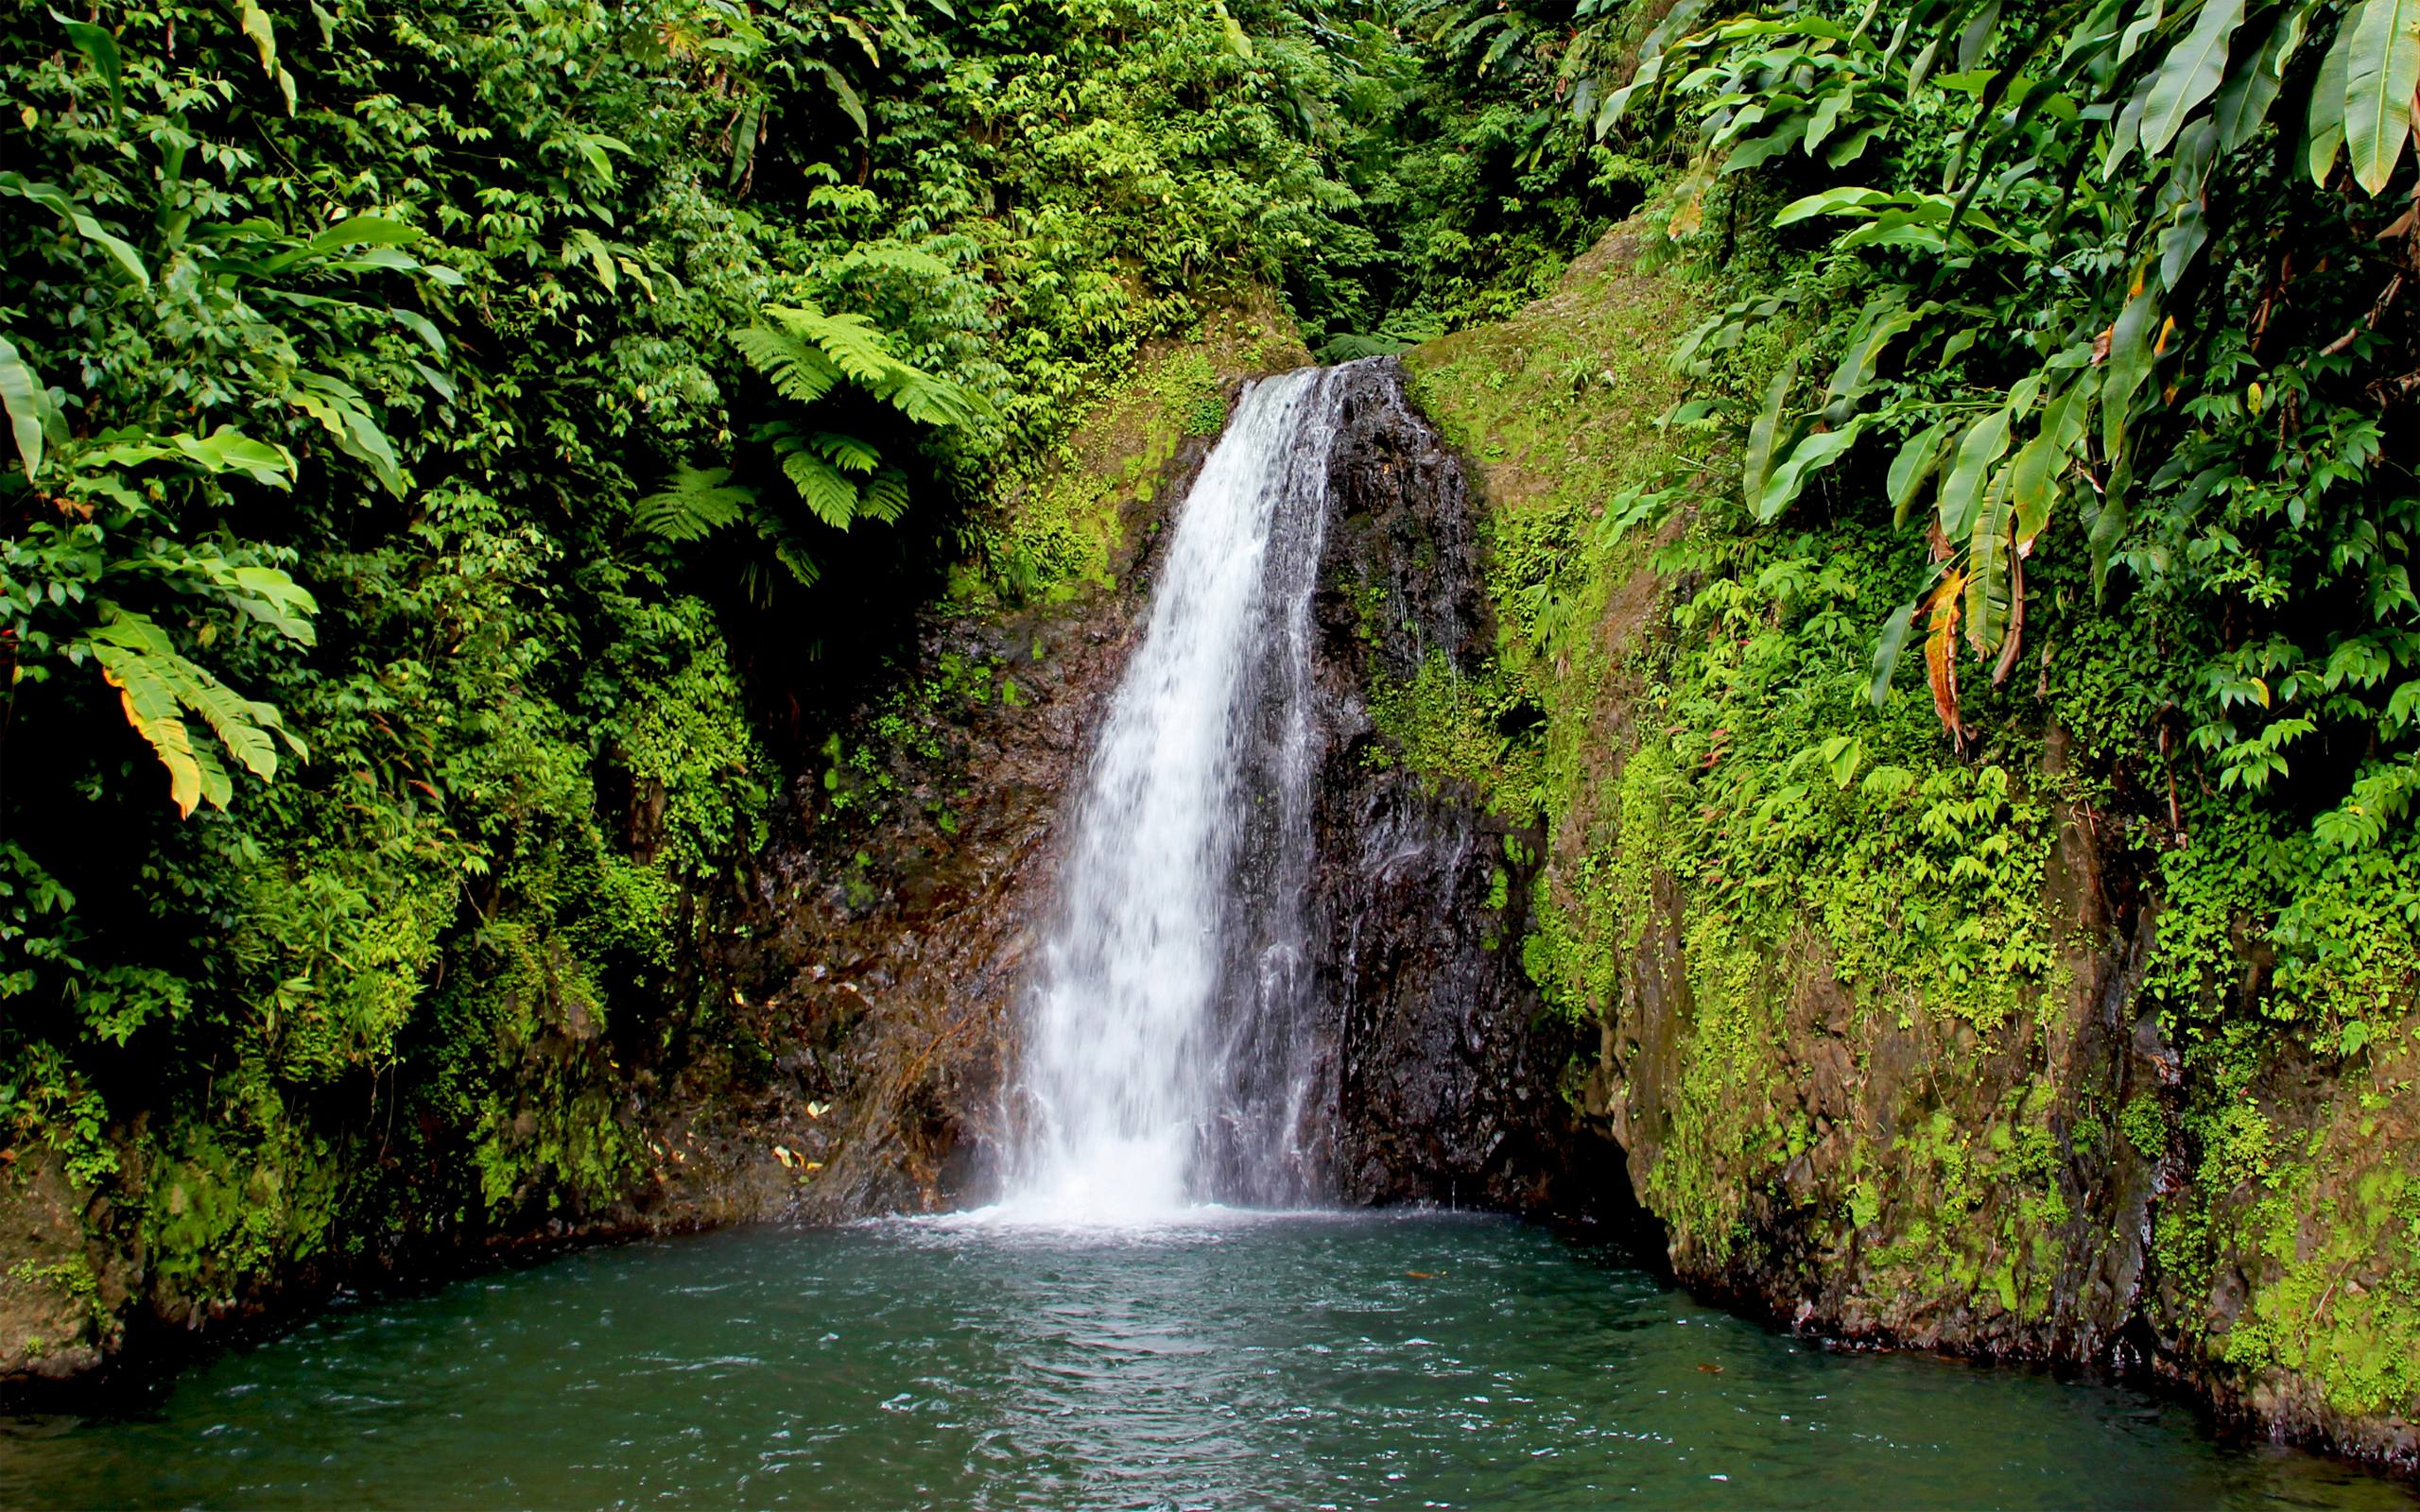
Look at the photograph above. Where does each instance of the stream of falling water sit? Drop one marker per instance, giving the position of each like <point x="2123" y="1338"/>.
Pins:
<point x="1163" y="944"/>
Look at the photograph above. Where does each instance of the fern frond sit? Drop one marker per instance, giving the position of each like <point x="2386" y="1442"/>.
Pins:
<point x="806" y="352"/>
<point x="693" y="504"/>
<point x="799" y="368"/>
<point x="847" y="453"/>
<point x="801" y="566"/>
<point x="850" y="341"/>
<point x="885" y="497"/>
<point x="828" y="493"/>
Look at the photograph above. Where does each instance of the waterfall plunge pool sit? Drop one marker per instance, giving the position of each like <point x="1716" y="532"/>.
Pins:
<point x="1232" y="1360"/>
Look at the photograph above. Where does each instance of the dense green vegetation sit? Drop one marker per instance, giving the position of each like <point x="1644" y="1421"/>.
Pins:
<point x="466" y="456"/>
<point x="463" y="454"/>
<point x="2070" y="345"/>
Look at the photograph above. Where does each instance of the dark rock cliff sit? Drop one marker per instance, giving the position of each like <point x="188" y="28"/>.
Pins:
<point x="1446" y="1085"/>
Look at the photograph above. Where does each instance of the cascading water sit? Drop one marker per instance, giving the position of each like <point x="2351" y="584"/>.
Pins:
<point x="1167" y="1060"/>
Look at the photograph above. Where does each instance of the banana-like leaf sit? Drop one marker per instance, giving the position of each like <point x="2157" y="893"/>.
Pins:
<point x="1884" y="323"/>
<point x="2131" y="356"/>
<point x="1893" y="642"/>
<point x="1764" y="435"/>
<point x="2253" y="83"/>
<point x="50" y="199"/>
<point x="1988" y="554"/>
<point x="1916" y="461"/>
<point x="1808" y="457"/>
<point x="1827" y="115"/>
<point x="1961" y="488"/>
<point x="2381" y="72"/>
<point x="27" y="402"/>
<point x="99" y="49"/>
<point x="2033" y="477"/>
<point x="1940" y="653"/>
<point x="1845" y="201"/>
<point x="851" y="104"/>
<point x="2190" y="73"/>
<point x="2326" y="130"/>
<point x="356" y="231"/>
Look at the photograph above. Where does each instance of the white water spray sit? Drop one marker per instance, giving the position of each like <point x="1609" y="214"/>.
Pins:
<point x="1204" y="757"/>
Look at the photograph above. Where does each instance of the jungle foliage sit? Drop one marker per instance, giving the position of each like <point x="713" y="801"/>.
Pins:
<point x="459" y="456"/>
<point x="2074" y="345"/>
<point x="462" y="454"/>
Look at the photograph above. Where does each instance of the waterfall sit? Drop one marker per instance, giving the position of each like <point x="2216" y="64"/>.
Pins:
<point x="1167" y="1059"/>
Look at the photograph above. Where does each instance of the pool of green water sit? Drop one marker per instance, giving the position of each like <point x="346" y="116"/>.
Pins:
<point x="1237" y="1361"/>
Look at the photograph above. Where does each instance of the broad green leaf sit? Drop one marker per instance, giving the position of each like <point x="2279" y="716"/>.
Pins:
<point x="276" y="600"/>
<point x="339" y="408"/>
<point x="1962" y="488"/>
<point x="21" y="390"/>
<point x="2325" y="131"/>
<point x="1809" y="456"/>
<point x="257" y="26"/>
<point x="1763" y="435"/>
<point x="421" y="326"/>
<point x="2033" y="477"/>
<point x="2129" y="365"/>
<point x="1827" y="115"/>
<point x="846" y="94"/>
<point x="99" y="49"/>
<point x="2190" y="73"/>
<point x="357" y="231"/>
<point x="2381" y="72"/>
<point x="2127" y="134"/>
<point x="227" y="450"/>
<point x="1977" y="35"/>
<point x="1883" y="324"/>
<point x="2141" y="27"/>
<point x="2252" y="86"/>
<point x="1841" y="755"/>
<point x="85" y="226"/>
<point x="1987" y="569"/>
<point x="1916" y="462"/>
<point x="1886" y="651"/>
<point x="1842" y="201"/>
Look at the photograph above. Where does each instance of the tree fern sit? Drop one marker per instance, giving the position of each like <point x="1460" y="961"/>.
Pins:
<point x="693" y="504"/>
<point x="826" y="490"/>
<point x="799" y="368"/>
<point x="846" y="453"/>
<point x="885" y="496"/>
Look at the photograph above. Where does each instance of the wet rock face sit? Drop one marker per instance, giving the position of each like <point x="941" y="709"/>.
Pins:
<point x="1447" y="1071"/>
<point x="885" y="966"/>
